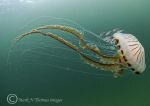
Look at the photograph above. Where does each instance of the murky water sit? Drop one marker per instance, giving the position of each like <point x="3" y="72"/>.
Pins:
<point x="42" y="68"/>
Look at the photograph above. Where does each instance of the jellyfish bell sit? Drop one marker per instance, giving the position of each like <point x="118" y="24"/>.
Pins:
<point x="131" y="52"/>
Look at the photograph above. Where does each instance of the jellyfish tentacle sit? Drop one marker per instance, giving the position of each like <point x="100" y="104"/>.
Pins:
<point x="65" y="29"/>
<point x="114" y="68"/>
<point x="54" y="36"/>
<point x="105" y="58"/>
<point x="25" y="34"/>
<point x="83" y="43"/>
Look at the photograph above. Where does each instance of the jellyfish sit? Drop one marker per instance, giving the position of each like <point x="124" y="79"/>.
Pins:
<point x="129" y="53"/>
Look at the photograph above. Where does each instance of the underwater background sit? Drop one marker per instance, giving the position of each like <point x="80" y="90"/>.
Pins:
<point x="51" y="81"/>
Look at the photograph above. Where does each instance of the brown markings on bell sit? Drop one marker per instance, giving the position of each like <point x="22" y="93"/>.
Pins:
<point x="125" y="59"/>
<point x="132" y="69"/>
<point x="129" y="64"/>
<point x="135" y="48"/>
<point x="141" y="57"/>
<point x="118" y="46"/>
<point x="133" y="44"/>
<point x="119" y="60"/>
<point x="137" y="51"/>
<point x="116" y="41"/>
<point x="122" y="51"/>
<point x="137" y="72"/>
<point x="139" y="54"/>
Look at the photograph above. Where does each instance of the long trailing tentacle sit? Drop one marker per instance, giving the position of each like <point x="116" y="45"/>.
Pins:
<point x="114" y="68"/>
<point x="83" y="43"/>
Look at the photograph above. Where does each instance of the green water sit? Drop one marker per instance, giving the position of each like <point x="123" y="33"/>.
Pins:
<point x="76" y="89"/>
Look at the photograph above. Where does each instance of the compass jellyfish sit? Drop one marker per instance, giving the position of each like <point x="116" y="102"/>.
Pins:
<point x="128" y="52"/>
